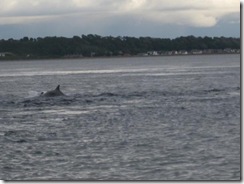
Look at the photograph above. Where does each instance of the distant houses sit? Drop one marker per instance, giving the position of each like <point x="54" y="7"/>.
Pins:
<point x="153" y="53"/>
<point x="191" y="52"/>
<point x="196" y="52"/>
<point x="10" y="55"/>
<point x="6" y="54"/>
<point x="2" y="54"/>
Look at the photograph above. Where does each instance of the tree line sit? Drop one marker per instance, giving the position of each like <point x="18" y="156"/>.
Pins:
<point x="95" y="45"/>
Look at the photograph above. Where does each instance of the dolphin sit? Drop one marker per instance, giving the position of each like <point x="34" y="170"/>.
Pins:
<point x="53" y="93"/>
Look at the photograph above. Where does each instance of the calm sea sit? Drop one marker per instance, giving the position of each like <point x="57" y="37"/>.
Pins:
<point x="145" y="118"/>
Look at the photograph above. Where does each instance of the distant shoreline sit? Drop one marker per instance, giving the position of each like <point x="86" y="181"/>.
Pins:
<point x="108" y="57"/>
<point x="95" y="46"/>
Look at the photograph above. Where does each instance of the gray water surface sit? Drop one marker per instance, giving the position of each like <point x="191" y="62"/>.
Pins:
<point x="152" y="118"/>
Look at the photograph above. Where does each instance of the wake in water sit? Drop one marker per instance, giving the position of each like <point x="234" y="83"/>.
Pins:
<point x="36" y="98"/>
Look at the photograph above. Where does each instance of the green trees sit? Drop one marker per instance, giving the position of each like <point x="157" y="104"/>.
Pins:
<point x="95" y="45"/>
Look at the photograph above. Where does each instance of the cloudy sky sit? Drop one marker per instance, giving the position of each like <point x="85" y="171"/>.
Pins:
<point x="155" y="18"/>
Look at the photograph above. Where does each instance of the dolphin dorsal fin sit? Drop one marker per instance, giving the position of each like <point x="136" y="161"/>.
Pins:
<point x="57" y="88"/>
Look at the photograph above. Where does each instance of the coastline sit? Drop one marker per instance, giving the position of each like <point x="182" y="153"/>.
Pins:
<point x="105" y="57"/>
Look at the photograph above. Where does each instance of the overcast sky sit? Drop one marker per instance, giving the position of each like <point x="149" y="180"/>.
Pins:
<point x="155" y="18"/>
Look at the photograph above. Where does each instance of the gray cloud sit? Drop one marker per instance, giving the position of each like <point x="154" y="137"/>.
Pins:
<point x="121" y="17"/>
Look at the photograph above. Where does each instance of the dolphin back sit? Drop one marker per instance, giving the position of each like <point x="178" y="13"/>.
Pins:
<point x="53" y="93"/>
